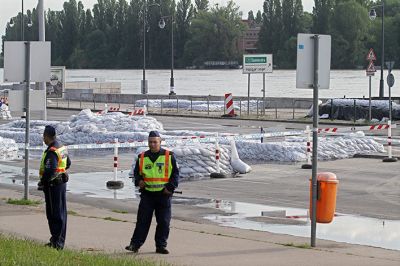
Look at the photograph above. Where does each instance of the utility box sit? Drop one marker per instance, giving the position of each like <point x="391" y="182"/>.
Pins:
<point x="326" y="196"/>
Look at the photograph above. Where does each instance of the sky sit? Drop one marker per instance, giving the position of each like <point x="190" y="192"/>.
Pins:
<point x="10" y="8"/>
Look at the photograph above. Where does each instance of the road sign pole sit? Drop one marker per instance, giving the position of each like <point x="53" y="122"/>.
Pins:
<point x="27" y="116"/>
<point x="390" y="103"/>
<point x="315" y="145"/>
<point x="248" y="95"/>
<point x="263" y="112"/>
<point x="369" y="108"/>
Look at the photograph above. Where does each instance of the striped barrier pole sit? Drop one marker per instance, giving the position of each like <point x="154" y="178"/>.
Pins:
<point x="390" y="158"/>
<point x="115" y="159"/>
<point x="262" y="136"/>
<point x="229" y="104"/>
<point x="308" y="165"/>
<point x="115" y="184"/>
<point x="217" y="154"/>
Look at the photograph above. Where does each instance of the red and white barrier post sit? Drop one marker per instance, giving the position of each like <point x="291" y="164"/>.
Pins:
<point x="390" y="157"/>
<point x="115" y="159"/>
<point x="308" y="165"/>
<point x="217" y="155"/>
<point x="115" y="184"/>
<point x="230" y="111"/>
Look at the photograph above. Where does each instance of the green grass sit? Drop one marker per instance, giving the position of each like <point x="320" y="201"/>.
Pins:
<point x="29" y="253"/>
<point x="305" y="245"/>
<point x="24" y="202"/>
<point x="113" y="219"/>
<point x="120" y="211"/>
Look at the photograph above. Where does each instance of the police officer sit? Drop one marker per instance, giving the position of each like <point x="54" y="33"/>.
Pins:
<point x="156" y="174"/>
<point x="53" y="178"/>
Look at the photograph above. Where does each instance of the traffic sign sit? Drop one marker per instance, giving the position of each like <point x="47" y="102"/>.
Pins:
<point x="370" y="74"/>
<point x="257" y="63"/>
<point x="390" y="80"/>
<point x="371" y="67"/>
<point x="371" y="55"/>
<point x="389" y="65"/>
<point x="305" y="61"/>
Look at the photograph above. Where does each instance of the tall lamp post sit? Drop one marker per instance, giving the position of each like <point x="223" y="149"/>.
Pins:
<point x="161" y="24"/>
<point x="29" y="24"/>
<point x="372" y="16"/>
<point x="144" y="84"/>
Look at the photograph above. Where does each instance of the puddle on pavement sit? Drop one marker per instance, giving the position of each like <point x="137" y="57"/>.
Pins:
<point x="94" y="185"/>
<point x="91" y="185"/>
<point x="344" y="228"/>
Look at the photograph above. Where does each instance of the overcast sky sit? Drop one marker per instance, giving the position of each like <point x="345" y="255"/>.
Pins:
<point x="9" y="8"/>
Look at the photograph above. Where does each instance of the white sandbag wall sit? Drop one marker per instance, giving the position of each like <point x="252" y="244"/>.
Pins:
<point x="8" y="149"/>
<point x="198" y="162"/>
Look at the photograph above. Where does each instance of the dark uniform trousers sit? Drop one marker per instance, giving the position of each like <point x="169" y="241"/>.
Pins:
<point x="56" y="212"/>
<point x="149" y="203"/>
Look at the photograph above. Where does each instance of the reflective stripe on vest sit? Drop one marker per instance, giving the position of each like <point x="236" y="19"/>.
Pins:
<point x="155" y="175"/>
<point x="61" y="161"/>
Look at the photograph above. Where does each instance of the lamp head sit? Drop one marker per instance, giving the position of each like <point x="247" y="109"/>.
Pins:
<point x="161" y="23"/>
<point x="11" y="23"/>
<point x="372" y="14"/>
<point x="30" y="23"/>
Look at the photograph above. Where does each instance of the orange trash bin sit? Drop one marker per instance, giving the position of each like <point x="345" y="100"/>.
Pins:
<point x="326" y="196"/>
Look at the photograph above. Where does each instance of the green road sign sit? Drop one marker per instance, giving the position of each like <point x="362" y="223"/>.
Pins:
<point x="257" y="63"/>
<point x="256" y="60"/>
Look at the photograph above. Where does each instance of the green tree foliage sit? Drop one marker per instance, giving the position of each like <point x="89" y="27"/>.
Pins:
<point x="214" y="35"/>
<point x="110" y="34"/>
<point x="259" y="17"/>
<point x="322" y="12"/>
<point x="347" y="42"/>
<point x="250" y="15"/>
<point x="183" y="19"/>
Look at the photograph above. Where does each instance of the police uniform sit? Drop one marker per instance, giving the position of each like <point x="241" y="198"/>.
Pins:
<point x="52" y="173"/>
<point x="158" y="171"/>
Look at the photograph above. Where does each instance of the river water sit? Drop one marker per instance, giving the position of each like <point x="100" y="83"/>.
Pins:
<point x="280" y="83"/>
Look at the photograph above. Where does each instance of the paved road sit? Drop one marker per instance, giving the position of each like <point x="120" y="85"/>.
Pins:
<point x="367" y="186"/>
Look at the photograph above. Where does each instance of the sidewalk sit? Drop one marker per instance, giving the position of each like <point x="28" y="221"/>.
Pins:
<point x="190" y="243"/>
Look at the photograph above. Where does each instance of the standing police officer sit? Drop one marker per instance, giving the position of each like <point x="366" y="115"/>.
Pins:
<point x="53" y="178"/>
<point x="157" y="175"/>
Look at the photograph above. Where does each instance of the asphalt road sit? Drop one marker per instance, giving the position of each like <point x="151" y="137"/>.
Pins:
<point x="367" y="187"/>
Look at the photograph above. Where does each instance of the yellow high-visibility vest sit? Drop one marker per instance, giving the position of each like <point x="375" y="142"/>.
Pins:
<point x="157" y="174"/>
<point x="61" y="161"/>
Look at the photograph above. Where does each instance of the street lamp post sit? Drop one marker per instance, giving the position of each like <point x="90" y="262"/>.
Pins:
<point x="29" y="24"/>
<point x="372" y="16"/>
<point x="144" y="89"/>
<point x="161" y="24"/>
<point x="144" y="83"/>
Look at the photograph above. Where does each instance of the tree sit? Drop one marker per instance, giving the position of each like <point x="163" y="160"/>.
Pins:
<point x="348" y="42"/>
<point x="214" y="35"/>
<point x="322" y="12"/>
<point x="258" y="17"/>
<point x="184" y="16"/>
<point x="250" y="16"/>
<point x="201" y="5"/>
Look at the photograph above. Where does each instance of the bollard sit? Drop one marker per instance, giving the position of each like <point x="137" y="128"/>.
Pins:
<point x="217" y="155"/>
<point x="262" y="134"/>
<point x="390" y="158"/>
<point x="308" y="165"/>
<point x="218" y="173"/>
<point x="144" y="110"/>
<point x="115" y="184"/>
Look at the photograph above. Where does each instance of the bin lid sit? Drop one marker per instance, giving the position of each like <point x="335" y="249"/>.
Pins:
<point x="327" y="177"/>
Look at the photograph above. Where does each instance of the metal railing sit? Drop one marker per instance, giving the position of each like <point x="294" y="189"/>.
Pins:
<point x="259" y="108"/>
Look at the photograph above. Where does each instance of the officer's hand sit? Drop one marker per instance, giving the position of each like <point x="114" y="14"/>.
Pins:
<point x="167" y="192"/>
<point x="141" y="184"/>
<point x="40" y="186"/>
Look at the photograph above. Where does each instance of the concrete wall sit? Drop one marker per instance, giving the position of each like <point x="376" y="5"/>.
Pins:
<point x="96" y="87"/>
